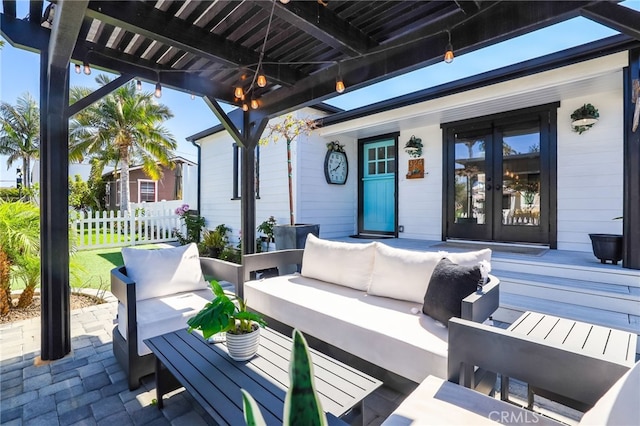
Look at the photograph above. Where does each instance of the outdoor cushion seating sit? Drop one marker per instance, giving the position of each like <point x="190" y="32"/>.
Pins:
<point x="435" y="401"/>
<point x="364" y="299"/>
<point x="157" y="292"/>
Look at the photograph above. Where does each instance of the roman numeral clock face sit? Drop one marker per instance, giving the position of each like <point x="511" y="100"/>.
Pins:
<point x="336" y="167"/>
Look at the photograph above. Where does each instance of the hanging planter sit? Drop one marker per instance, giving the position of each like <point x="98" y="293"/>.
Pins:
<point x="584" y="118"/>
<point x="414" y="147"/>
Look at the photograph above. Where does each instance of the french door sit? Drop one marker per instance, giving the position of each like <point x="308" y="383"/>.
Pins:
<point x="498" y="179"/>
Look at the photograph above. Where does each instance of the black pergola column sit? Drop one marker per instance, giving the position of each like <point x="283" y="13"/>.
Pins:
<point x="54" y="211"/>
<point x="631" y="207"/>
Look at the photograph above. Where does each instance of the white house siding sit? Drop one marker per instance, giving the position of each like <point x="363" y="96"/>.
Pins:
<point x="589" y="165"/>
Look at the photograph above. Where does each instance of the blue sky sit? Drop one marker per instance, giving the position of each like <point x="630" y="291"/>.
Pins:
<point x="19" y="72"/>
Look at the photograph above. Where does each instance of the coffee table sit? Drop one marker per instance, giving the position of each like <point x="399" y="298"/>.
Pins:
<point x="207" y="372"/>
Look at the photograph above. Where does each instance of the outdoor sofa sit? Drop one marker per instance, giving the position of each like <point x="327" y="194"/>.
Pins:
<point x="157" y="292"/>
<point x="367" y="300"/>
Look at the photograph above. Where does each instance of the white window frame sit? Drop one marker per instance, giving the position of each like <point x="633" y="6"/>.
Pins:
<point x="155" y="190"/>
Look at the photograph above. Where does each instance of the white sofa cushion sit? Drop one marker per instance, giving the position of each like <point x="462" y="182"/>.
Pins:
<point x="380" y="330"/>
<point x="619" y="406"/>
<point x="163" y="315"/>
<point x="165" y="271"/>
<point x="470" y="258"/>
<point x="402" y="274"/>
<point x="344" y="264"/>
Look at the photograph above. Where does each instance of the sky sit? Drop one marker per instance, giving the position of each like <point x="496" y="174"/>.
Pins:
<point x="19" y="74"/>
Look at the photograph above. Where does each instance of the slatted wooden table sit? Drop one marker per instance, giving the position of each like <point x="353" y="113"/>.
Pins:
<point x="214" y="379"/>
<point x="601" y="342"/>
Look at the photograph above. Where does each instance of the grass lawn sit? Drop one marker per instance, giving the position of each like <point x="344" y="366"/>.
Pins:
<point x="97" y="236"/>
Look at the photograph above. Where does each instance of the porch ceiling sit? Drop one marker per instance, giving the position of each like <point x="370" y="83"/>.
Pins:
<point x="208" y="48"/>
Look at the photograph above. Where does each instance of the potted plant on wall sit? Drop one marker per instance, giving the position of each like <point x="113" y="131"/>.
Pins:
<point x="227" y="313"/>
<point x="293" y="235"/>
<point x="584" y="118"/>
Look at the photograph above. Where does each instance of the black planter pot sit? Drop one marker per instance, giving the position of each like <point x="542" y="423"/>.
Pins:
<point x="607" y="247"/>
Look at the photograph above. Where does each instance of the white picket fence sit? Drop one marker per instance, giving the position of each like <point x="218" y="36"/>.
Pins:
<point x="118" y="229"/>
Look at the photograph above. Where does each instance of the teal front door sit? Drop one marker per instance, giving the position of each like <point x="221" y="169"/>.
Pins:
<point x="377" y="213"/>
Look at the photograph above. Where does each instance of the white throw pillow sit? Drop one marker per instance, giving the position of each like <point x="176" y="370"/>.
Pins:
<point x="345" y="264"/>
<point x="470" y="258"/>
<point x="619" y="406"/>
<point x="402" y="274"/>
<point x="164" y="271"/>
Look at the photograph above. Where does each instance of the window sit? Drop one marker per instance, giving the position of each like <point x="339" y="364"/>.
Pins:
<point x="147" y="191"/>
<point x="237" y="171"/>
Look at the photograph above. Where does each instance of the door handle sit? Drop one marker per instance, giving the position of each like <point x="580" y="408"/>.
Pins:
<point x="498" y="187"/>
<point x="488" y="187"/>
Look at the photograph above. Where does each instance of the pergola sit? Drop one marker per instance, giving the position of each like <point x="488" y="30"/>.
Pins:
<point x="210" y="48"/>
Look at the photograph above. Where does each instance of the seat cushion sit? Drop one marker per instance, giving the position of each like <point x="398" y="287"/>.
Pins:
<point x="344" y="264"/>
<point x="402" y="274"/>
<point x="450" y="283"/>
<point x="380" y="330"/>
<point x="165" y="271"/>
<point x="438" y="402"/>
<point x="162" y="315"/>
<point x="619" y="406"/>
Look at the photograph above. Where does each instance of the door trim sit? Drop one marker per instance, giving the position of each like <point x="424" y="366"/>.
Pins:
<point x="482" y="122"/>
<point x="361" y="143"/>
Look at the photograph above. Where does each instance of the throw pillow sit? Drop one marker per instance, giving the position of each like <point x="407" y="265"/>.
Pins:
<point x="470" y="258"/>
<point x="339" y="263"/>
<point x="449" y="284"/>
<point x="402" y="274"/>
<point x="163" y="272"/>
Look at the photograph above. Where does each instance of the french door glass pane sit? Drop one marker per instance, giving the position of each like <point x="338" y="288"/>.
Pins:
<point x="521" y="177"/>
<point x="470" y="180"/>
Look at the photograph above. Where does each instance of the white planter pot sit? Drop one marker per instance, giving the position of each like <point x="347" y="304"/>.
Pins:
<point x="243" y="347"/>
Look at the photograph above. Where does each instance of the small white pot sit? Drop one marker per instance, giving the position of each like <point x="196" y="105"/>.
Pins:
<point x="243" y="347"/>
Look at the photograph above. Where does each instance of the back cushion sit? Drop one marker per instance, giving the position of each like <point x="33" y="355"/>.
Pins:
<point x="470" y="258"/>
<point x="164" y="271"/>
<point x="402" y="274"/>
<point x="619" y="406"/>
<point x="345" y="264"/>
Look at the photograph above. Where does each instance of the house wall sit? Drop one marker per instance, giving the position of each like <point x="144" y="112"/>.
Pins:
<point x="589" y="166"/>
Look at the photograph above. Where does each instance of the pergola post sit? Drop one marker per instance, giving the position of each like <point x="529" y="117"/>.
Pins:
<point x="54" y="212"/>
<point x="631" y="160"/>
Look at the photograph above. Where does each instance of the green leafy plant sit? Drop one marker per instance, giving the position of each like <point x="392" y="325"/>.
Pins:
<point x="192" y="221"/>
<point x="214" y="242"/>
<point x="225" y="313"/>
<point x="301" y="405"/>
<point x="586" y="111"/>
<point x="413" y="147"/>
<point x="266" y="228"/>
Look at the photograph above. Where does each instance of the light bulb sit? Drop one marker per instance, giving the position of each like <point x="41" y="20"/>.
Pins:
<point x="138" y="85"/>
<point x="238" y="92"/>
<point x="193" y="96"/>
<point x="340" y="86"/>
<point x="284" y="1"/>
<point x="254" y="104"/>
<point x="87" y="68"/>
<point x="158" y="92"/>
<point x="448" y="55"/>
<point x="245" y="107"/>
<point x="78" y="71"/>
<point x="262" y="80"/>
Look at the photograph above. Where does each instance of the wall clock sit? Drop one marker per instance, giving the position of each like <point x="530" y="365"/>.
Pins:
<point x="336" y="166"/>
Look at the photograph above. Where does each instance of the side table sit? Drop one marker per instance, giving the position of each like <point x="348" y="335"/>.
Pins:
<point x="608" y="344"/>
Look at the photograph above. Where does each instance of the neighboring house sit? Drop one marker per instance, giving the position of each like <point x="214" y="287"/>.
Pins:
<point x="178" y="183"/>
<point x="501" y="162"/>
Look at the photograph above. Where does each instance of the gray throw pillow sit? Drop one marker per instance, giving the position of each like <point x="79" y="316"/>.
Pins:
<point x="449" y="284"/>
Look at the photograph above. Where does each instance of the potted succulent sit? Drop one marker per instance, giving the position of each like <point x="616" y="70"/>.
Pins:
<point x="584" y="118"/>
<point x="227" y="313"/>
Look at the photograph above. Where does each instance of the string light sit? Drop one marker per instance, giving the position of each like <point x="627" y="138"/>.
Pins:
<point x="158" y="92"/>
<point x="78" y="69"/>
<point x="340" y="85"/>
<point x="193" y="96"/>
<point x="254" y="104"/>
<point x="238" y="93"/>
<point x="138" y="85"/>
<point x="262" y="80"/>
<point x="245" y="107"/>
<point x="87" y="67"/>
<point x="448" y="54"/>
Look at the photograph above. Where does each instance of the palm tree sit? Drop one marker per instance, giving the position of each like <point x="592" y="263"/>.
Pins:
<point x="20" y="133"/>
<point x="125" y="126"/>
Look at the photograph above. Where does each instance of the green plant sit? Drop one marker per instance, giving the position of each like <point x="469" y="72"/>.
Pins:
<point x="413" y="147"/>
<point x="301" y="405"/>
<point x="193" y="222"/>
<point x="586" y="111"/>
<point x="266" y="228"/>
<point x="214" y="242"/>
<point x="225" y="313"/>
<point x="289" y="129"/>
